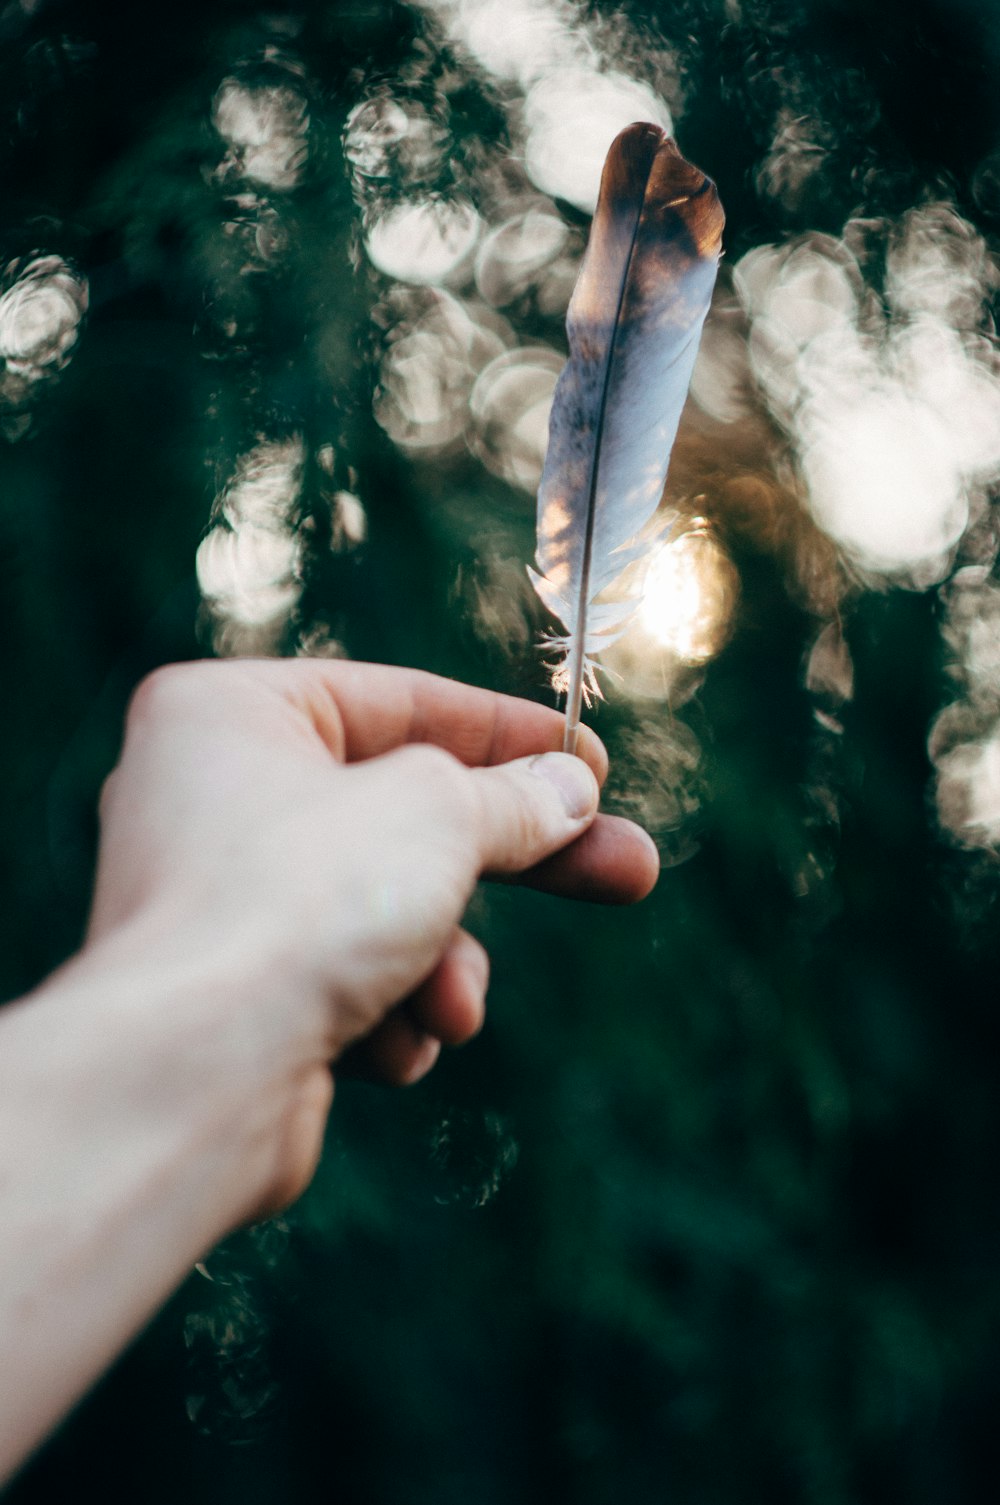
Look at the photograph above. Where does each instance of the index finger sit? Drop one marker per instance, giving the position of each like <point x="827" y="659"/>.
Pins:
<point x="364" y="710"/>
<point x="369" y="709"/>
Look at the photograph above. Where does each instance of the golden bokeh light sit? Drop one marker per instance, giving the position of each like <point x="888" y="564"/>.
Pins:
<point x="683" y="618"/>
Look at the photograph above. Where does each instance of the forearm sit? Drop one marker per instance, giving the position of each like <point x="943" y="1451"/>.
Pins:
<point x="118" y="1170"/>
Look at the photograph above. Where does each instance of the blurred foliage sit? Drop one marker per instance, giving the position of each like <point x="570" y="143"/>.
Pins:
<point x="710" y="1212"/>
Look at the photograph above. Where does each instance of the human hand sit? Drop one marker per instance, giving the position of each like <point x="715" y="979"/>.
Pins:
<point x="310" y="833"/>
<point x="286" y="852"/>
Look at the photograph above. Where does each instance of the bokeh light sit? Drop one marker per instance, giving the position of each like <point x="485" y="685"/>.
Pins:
<point x="893" y="409"/>
<point x="687" y="596"/>
<point x="964" y="740"/>
<point x="510" y="405"/>
<point x="527" y="254"/>
<point x="571" y="117"/>
<point x="40" y="313"/>
<point x="42" y="305"/>
<point x="265" y="128"/>
<point x="429" y="242"/>
<point x="389" y="140"/>
<point x="249" y="564"/>
<point x="517" y="41"/>
<point x="436" y="346"/>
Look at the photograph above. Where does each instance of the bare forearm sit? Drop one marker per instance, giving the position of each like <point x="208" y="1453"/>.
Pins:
<point x="116" y="1173"/>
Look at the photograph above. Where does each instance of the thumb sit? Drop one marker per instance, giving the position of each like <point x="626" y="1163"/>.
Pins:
<point x="532" y="807"/>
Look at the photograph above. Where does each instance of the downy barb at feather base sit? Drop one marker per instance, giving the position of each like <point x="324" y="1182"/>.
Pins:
<point x="633" y="324"/>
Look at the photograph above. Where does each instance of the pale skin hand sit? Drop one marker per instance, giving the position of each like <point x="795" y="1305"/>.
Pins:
<point x="339" y="816"/>
<point x="287" y="850"/>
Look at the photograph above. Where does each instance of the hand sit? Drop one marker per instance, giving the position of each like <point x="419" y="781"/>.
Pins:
<point x="312" y="831"/>
<point x="286" y="852"/>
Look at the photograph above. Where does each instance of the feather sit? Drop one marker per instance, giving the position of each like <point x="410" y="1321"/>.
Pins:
<point x="633" y="324"/>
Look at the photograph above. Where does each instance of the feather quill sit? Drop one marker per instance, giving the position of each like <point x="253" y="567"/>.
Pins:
<point x="634" y="322"/>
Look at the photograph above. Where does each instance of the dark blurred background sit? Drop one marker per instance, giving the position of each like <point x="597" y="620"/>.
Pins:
<point x="709" y="1213"/>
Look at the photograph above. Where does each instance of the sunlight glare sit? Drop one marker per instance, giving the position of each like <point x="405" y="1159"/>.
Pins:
<point x="686" y="595"/>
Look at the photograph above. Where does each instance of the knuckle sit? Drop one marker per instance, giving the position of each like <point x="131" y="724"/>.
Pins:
<point x="441" y="782"/>
<point x="160" y="689"/>
<point x="433" y="767"/>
